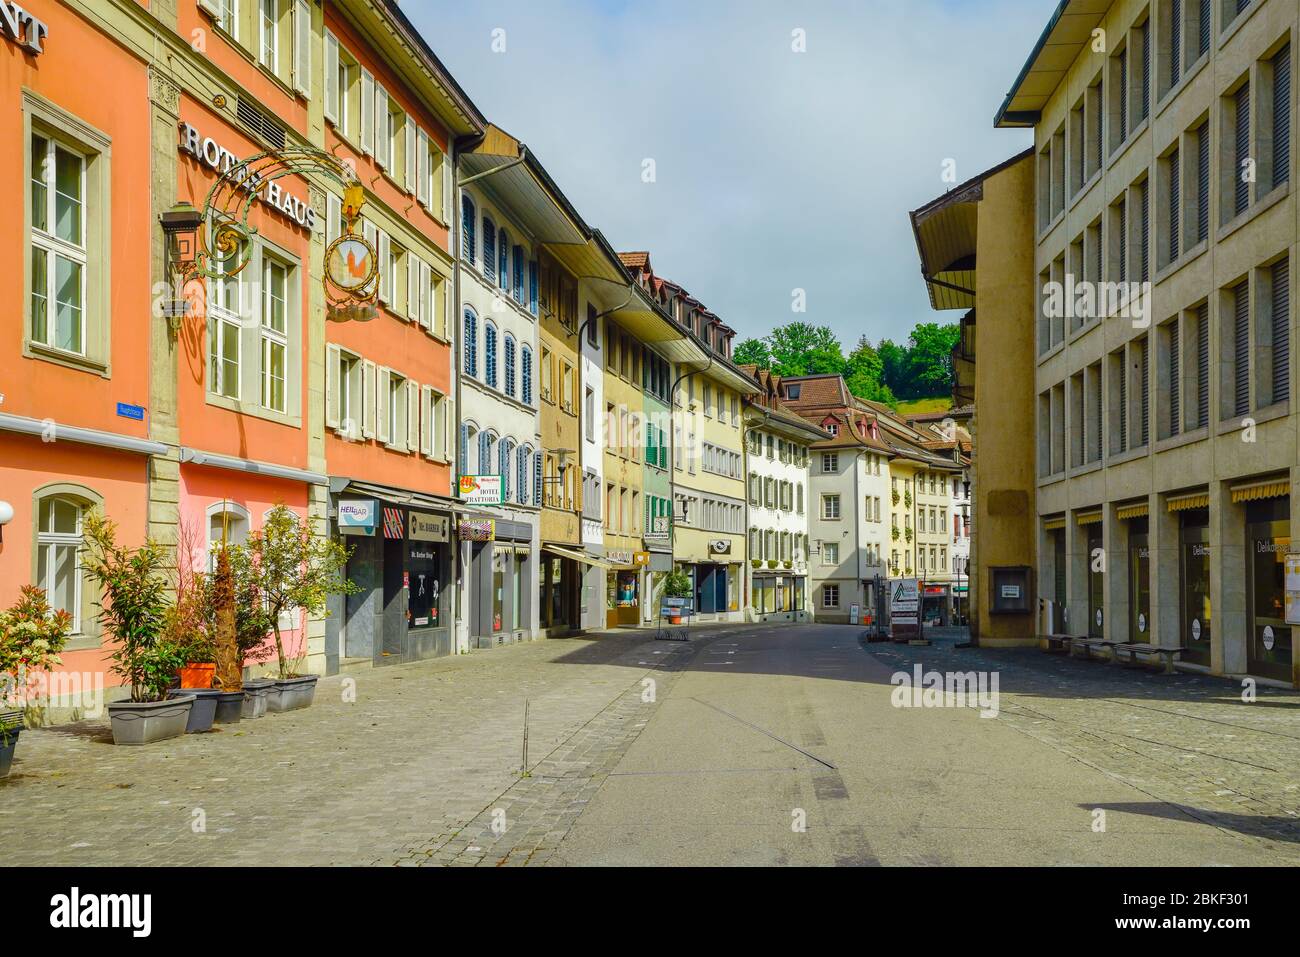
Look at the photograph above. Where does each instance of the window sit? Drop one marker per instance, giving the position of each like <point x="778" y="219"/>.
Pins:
<point x="831" y="553"/>
<point x="225" y="307"/>
<point x="471" y="344"/>
<point x="58" y="542"/>
<point x="269" y="34"/>
<point x="467" y="218"/>
<point x="830" y="596"/>
<point x="59" y="254"/>
<point x="830" y="462"/>
<point x="490" y="354"/>
<point x="510" y="365"/>
<point x="1238" y="175"/>
<point x="275" y="328"/>
<point x="830" y="507"/>
<point x="344" y="392"/>
<point x="526" y="376"/>
<point x="1279" y="70"/>
<point x="434" y="426"/>
<point x="522" y="462"/>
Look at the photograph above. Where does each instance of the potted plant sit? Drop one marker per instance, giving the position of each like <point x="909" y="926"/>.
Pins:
<point x="31" y="637"/>
<point x="772" y="563"/>
<point x="756" y="562"/>
<point x="292" y="570"/>
<point x="133" y="609"/>
<point x="677" y="584"/>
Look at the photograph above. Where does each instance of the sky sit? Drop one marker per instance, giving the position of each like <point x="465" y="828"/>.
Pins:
<point x="693" y="129"/>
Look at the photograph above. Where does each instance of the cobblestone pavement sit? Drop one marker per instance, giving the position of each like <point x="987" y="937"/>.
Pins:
<point x="644" y="751"/>
<point x="1188" y="741"/>
<point x="409" y="773"/>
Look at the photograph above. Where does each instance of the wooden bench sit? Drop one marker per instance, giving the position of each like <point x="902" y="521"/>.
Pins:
<point x="1057" y="643"/>
<point x="1087" y="644"/>
<point x="1166" y="655"/>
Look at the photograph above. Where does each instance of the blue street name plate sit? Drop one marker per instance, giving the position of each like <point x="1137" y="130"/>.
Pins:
<point x="128" y="411"/>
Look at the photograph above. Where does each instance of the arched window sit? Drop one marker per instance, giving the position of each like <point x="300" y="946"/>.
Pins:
<point x="503" y="260"/>
<point x="525" y="454"/>
<point x="467" y="433"/>
<point x="489" y="249"/>
<point x="507" y="448"/>
<point x="227" y="521"/>
<point x="537" y="478"/>
<point x="58" y="541"/>
<point x="526" y="376"/>
<point x="485" y="442"/>
<point x="517" y="281"/>
<point x="467" y="217"/>
<point x="510" y="365"/>
<point x="490" y="354"/>
<point x="471" y="343"/>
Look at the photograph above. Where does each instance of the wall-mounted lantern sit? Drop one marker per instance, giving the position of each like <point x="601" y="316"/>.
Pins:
<point x="181" y="225"/>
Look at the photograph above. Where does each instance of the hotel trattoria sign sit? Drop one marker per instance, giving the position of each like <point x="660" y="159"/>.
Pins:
<point x="22" y="28"/>
<point x="212" y="154"/>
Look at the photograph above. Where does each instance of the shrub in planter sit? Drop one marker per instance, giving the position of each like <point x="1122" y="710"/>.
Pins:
<point x="677" y="584"/>
<point x="31" y="637"/>
<point x="186" y="619"/>
<point x="133" y="609"/>
<point x="291" y="570"/>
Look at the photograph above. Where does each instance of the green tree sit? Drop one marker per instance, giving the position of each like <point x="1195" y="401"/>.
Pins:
<point x="752" y="351"/>
<point x="800" y="348"/>
<point x="930" y="358"/>
<point x="864" y="372"/>
<point x="894" y="368"/>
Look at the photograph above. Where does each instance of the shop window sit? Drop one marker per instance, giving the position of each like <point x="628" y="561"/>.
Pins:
<point x="830" y="596"/>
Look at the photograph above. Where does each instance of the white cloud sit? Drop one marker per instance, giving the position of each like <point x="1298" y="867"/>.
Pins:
<point x="775" y="169"/>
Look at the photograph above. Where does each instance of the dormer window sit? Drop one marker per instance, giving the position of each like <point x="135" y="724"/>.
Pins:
<point x="792" y="391"/>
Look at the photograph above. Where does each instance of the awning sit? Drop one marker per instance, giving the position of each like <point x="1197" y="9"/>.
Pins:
<point x="1254" y="491"/>
<point x="1133" y="511"/>
<point x="1181" y="503"/>
<point x="577" y="556"/>
<point x="1088" y="518"/>
<point x="1052" y="524"/>
<point x="400" y="496"/>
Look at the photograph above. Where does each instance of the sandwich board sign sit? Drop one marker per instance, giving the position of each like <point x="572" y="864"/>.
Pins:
<point x="904" y="608"/>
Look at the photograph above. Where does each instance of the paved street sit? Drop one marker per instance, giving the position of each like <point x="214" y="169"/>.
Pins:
<point x="752" y="731"/>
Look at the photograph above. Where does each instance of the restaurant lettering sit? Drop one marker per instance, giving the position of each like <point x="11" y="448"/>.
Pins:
<point x="21" y="27"/>
<point x="212" y="154"/>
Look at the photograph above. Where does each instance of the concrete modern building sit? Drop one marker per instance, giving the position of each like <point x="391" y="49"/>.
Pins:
<point x="1164" y="247"/>
<point x="777" y="442"/>
<point x="976" y="246"/>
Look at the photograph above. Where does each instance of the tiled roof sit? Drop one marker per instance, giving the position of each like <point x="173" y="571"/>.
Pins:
<point x="635" y="260"/>
<point x="817" y="391"/>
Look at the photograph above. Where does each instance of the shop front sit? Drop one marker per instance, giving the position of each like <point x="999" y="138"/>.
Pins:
<point x="559" y="588"/>
<point x="401" y="561"/>
<point x="1096" y="567"/>
<point x="779" y="596"/>
<point x="1194" y="585"/>
<point x="1268" y="636"/>
<point x="499" y="562"/>
<point x="1139" y="582"/>
<point x="625" y="587"/>
<point x="716" y="587"/>
<point x="934" y="604"/>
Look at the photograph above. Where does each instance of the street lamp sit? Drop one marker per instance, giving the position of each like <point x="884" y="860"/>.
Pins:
<point x="180" y="225"/>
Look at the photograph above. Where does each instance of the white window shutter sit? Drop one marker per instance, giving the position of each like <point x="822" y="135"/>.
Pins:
<point x="426" y="421"/>
<point x="412" y="416"/>
<point x="211" y="7"/>
<point x="383" y="142"/>
<point x="367" y="112"/>
<point x="446" y="188"/>
<point x="408" y="141"/>
<point x="448" y="426"/>
<point x="381" y="405"/>
<point x="422" y="168"/>
<point x="368" y="377"/>
<point x="426" y="307"/>
<point x="332" y="91"/>
<point x="302" y="47"/>
<point x="413" y="272"/>
<point x="332" y="361"/>
<point x="333" y="218"/>
<point x="385" y="249"/>
<point x="448" y="313"/>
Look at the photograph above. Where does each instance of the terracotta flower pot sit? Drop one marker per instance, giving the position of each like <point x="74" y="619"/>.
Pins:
<point x="197" y="674"/>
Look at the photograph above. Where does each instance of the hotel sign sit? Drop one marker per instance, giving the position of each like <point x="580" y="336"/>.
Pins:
<point x="212" y="154"/>
<point x="22" y="28"/>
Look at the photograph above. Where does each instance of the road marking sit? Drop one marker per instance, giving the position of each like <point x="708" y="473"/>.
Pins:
<point x="807" y="754"/>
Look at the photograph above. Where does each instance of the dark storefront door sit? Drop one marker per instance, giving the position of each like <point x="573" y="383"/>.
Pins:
<point x="1194" y="580"/>
<point x="1058" y="581"/>
<point x="711" y="588"/>
<point x="1139" y="582"/>
<point x="394" y="639"/>
<point x="1268" y="539"/>
<point x="1096" y="581"/>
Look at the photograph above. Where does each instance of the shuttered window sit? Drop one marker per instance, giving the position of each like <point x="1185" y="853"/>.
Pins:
<point x="1281" y="346"/>
<point x="485" y="453"/>
<point x="489" y="249"/>
<point x="1146" y="70"/>
<point x="503" y="261"/>
<point x="1175" y="380"/>
<point x="506" y="448"/>
<point x="1203" y="182"/>
<point x="1282" y="116"/>
<point x="1146" y="390"/>
<point x="1123" y="240"/>
<point x="532" y="287"/>
<point x="1241" y="187"/>
<point x="517" y="281"/>
<point x="1175" y="205"/>
<point x="467" y="215"/>
<point x="537" y="478"/>
<point x="510" y="365"/>
<point x="1144" y="213"/>
<point x="462" y="462"/>
<point x="522" y="474"/>
<point x="1098" y="130"/>
<point x="1123" y="403"/>
<point x="1094" y="426"/>
<point x="1203" y="365"/>
<point x="1241" y="348"/>
<point x="1175" y="40"/>
<point x="1203" y="29"/>
<point x="526" y="376"/>
<point x="471" y="344"/>
<point x="1123" y="97"/>
<point x="490" y="354"/>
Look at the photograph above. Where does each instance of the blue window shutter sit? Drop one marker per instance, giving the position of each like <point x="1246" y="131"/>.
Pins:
<point x="510" y="366"/>
<point x="490" y="354"/>
<point x="467" y="227"/>
<point x="489" y="249"/>
<point x="532" y="287"/>
<point x="537" y="478"/>
<point x="505" y="469"/>
<point x="522" y="458"/>
<point x="463" y="463"/>
<point x="484" y="453"/>
<point x="526" y="390"/>
<point x="471" y="344"/>
<point x="503" y="264"/>
<point x="518" y="283"/>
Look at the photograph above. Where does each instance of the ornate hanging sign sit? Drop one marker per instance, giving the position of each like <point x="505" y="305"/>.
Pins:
<point x="351" y="267"/>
